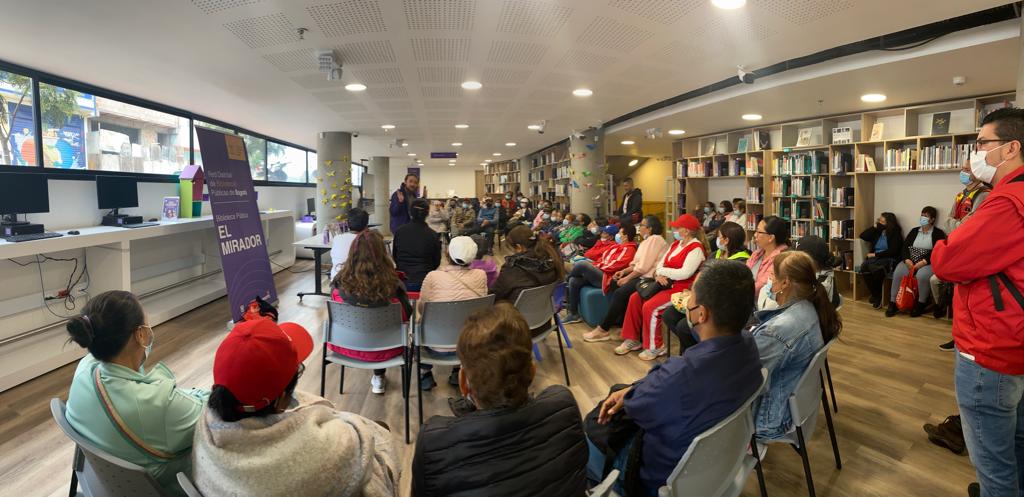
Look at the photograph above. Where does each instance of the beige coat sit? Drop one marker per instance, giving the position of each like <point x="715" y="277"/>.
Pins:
<point x="451" y="283"/>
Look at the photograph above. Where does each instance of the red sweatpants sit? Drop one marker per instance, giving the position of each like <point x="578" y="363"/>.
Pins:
<point x="643" y="318"/>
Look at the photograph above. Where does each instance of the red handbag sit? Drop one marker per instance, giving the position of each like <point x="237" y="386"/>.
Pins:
<point x="907" y="295"/>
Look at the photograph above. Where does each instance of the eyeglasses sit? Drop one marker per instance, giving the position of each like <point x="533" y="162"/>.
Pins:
<point x="982" y="142"/>
<point x="759" y="232"/>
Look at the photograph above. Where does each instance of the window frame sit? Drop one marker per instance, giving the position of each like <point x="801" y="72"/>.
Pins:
<point x="88" y="174"/>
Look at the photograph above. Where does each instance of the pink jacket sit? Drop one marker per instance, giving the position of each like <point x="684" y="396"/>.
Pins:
<point x="648" y="255"/>
<point x="451" y="283"/>
<point x="765" y="272"/>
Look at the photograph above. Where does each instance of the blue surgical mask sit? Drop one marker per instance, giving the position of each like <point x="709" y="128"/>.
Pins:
<point x="546" y="217"/>
<point x="594" y="230"/>
<point x="465" y="206"/>
<point x="565" y="222"/>
<point x="965" y="178"/>
<point x="618" y="238"/>
<point x="768" y="289"/>
<point x="721" y="210"/>
<point x="925" y="221"/>
<point x="677" y="236"/>
<point x="707" y="210"/>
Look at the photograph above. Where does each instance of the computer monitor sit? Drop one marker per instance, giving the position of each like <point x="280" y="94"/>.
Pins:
<point x="310" y="206"/>
<point x="115" y="192"/>
<point x="23" y="193"/>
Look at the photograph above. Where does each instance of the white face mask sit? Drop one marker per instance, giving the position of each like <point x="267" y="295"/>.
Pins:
<point x="980" y="167"/>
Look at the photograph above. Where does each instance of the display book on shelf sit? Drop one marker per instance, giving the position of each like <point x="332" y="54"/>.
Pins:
<point x="549" y="176"/>
<point x="502" y="177"/>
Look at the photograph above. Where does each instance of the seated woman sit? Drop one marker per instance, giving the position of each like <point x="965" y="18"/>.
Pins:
<point x="788" y="337"/>
<point x="571" y="229"/>
<point x="369" y="279"/>
<point x="416" y="247"/>
<point x="641" y="328"/>
<point x="623" y="283"/>
<point x="731" y="242"/>
<point x="111" y="383"/>
<point x="771" y="238"/>
<point x="357" y="220"/>
<point x="534" y="262"/>
<point x="449" y="283"/>
<point x="592" y="227"/>
<point x="713" y="218"/>
<point x="437" y="219"/>
<point x="523" y="215"/>
<point x="599" y="273"/>
<point x="917" y="251"/>
<point x="259" y="436"/>
<point x="885" y="242"/>
<point x="509" y="443"/>
<point x="739" y="212"/>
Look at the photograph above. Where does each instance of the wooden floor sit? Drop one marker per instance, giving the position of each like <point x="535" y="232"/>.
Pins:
<point x="889" y="377"/>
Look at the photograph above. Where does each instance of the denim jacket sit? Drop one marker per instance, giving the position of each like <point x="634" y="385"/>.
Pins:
<point x="787" y="338"/>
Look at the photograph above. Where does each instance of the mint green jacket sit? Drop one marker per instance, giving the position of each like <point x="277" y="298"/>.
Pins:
<point x="151" y="405"/>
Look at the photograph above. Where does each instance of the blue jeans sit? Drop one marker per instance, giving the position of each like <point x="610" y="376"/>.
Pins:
<point x="595" y="466"/>
<point x="992" y="412"/>
<point x="582" y="274"/>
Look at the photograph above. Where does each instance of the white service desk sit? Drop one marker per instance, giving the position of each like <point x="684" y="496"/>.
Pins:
<point x="173" y="267"/>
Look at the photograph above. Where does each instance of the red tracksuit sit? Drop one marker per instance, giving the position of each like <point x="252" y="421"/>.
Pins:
<point x="643" y="318"/>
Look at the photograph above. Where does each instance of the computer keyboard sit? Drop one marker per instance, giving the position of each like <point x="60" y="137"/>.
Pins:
<point x="32" y="236"/>
<point x="139" y="225"/>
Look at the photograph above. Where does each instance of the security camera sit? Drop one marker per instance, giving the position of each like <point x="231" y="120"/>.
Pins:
<point x="579" y="135"/>
<point x="538" y="127"/>
<point x="355" y="134"/>
<point x="745" y="77"/>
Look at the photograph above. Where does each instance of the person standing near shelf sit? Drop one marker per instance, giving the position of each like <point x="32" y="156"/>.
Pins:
<point x="983" y="258"/>
<point x="401" y="201"/>
<point x="632" y="207"/>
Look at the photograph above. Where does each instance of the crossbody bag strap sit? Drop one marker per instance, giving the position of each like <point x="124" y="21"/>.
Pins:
<point x="997" y="297"/>
<point x="1014" y="291"/>
<point x="121" y="426"/>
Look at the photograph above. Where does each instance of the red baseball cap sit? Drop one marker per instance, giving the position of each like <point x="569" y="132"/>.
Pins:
<point x="686" y="221"/>
<point x="258" y="359"/>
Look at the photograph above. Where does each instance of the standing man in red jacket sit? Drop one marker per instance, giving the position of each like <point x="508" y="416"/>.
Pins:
<point x="985" y="258"/>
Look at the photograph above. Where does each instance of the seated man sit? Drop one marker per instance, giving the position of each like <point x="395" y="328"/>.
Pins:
<point x="686" y="395"/>
<point x="509" y="443"/>
<point x="258" y="436"/>
<point x="462" y="219"/>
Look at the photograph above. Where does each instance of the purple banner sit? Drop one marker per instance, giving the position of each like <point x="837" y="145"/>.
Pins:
<point x="243" y="250"/>
<point x="444" y="155"/>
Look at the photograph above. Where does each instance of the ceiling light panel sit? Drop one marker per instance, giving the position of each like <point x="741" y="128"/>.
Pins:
<point x="264" y="31"/>
<point x="805" y="11"/>
<point x="380" y="76"/>
<point x="516" y="52"/>
<point x="366" y="52"/>
<point x="348" y="17"/>
<point x="441" y="74"/>
<point x="532" y="18"/>
<point x="214" y="6"/>
<point x="444" y="15"/>
<point x="440" y="49"/>
<point x="609" y="33"/>
<point x="661" y="11"/>
<point x="293" y="60"/>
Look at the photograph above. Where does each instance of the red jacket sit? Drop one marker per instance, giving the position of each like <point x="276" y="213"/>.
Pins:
<point x="615" y="259"/>
<point x="987" y="244"/>
<point x="594" y="253"/>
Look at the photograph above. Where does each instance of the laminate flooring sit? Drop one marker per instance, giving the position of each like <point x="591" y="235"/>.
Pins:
<point x="889" y="378"/>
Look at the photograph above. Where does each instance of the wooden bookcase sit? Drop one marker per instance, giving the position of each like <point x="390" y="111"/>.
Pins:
<point x="548" y="175"/>
<point x="502" y="177"/>
<point x="840" y="196"/>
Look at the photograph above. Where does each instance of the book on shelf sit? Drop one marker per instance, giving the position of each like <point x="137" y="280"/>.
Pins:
<point x="842" y="197"/>
<point x="738" y="166"/>
<point x="804" y="137"/>
<point x="681" y="169"/>
<point x="783" y="208"/>
<point x="741" y="145"/>
<point x="781" y="186"/>
<point x="755" y="194"/>
<point x="846" y="260"/>
<point x="866" y="163"/>
<point x="877" y="130"/>
<point x="842" y="228"/>
<point x="842" y="136"/>
<point x="842" y="163"/>
<point x="721" y="167"/>
<point x="940" y="123"/>
<point x="753" y="219"/>
<point x="709" y="146"/>
<point x="819" y="186"/>
<point x="755" y="167"/>
<point x="764" y="140"/>
<point x="819" y="211"/>
<point x="900" y="159"/>
<point x="801" y="187"/>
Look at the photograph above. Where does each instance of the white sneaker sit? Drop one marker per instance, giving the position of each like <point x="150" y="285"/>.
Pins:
<point x="652" y="354"/>
<point x="377" y="384"/>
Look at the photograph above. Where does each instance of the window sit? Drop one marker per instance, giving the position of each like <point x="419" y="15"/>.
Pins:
<point x="257" y="150"/>
<point x="17" y="125"/>
<point x="357" y="174"/>
<point x="311" y="166"/>
<point x="197" y="157"/>
<point x="285" y="163"/>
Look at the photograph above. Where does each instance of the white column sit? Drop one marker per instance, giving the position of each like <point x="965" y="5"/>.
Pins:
<point x="587" y="162"/>
<point x="333" y="177"/>
<point x="379" y="167"/>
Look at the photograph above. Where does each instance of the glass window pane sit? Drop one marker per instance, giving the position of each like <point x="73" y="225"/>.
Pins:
<point x="285" y="163"/>
<point x="17" y="124"/>
<point x="113" y="135"/>
<point x="198" y="159"/>
<point x="311" y="165"/>
<point x="357" y="174"/>
<point x="257" y="150"/>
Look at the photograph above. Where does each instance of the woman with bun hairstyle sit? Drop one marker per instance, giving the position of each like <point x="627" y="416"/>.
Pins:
<point x="134" y="413"/>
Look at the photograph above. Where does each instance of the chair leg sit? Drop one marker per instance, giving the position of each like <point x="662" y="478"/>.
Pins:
<point x="831" y="428"/>
<point x="341" y="382"/>
<point x="419" y="386"/>
<point x="323" y="370"/>
<point x="807" y="463"/>
<point x="757" y="467"/>
<point x="831" y="390"/>
<point x="74" y="484"/>
<point x="405" y="393"/>
<point x="565" y="367"/>
<point x="536" y="352"/>
<point x="561" y="327"/>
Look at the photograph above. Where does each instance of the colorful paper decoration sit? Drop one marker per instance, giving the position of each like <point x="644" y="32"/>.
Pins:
<point x="328" y="162"/>
<point x="330" y="174"/>
<point x="590" y="146"/>
<point x="586" y="173"/>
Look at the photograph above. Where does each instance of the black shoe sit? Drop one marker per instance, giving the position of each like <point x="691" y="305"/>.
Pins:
<point x="918" y="309"/>
<point x="974" y="490"/>
<point x="875" y="301"/>
<point x="939" y="312"/>
<point x="453" y="379"/>
<point x="427" y="382"/>
<point x="948" y="346"/>
<point x="948" y="434"/>
<point x="891" y="310"/>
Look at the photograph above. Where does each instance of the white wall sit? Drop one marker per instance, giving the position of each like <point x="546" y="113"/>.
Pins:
<point x="905" y="195"/>
<point x="726" y="189"/>
<point x="73" y="203"/>
<point x="438" y="179"/>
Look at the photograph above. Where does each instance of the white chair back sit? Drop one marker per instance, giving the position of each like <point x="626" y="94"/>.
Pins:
<point x="102" y="474"/>
<point x="806" y="397"/>
<point x="187" y="485"/>
<point x="607" y="487"/>
<point x="441" y="322"/>
<point x="717" y="462"/>
<point x="366" y="329"/>
<point x="535" y="305"/>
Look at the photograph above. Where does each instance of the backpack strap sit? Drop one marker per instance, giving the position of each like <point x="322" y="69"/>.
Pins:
<point x="1010" y="287"/>
<point x="122" y="427"/>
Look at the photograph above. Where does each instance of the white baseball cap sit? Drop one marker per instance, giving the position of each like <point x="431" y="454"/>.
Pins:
<point x="462" y="250"/>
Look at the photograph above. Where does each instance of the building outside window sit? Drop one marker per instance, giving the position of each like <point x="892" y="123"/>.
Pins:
<point x="256" y="148"/>
<point x="17" y="124"/>
<point x="285" y="163"/>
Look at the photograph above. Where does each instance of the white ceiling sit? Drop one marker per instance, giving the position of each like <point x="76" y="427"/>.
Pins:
<point x="241" y="61"/>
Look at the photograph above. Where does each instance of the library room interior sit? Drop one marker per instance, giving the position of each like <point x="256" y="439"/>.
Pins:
<point x="504" y="248"/>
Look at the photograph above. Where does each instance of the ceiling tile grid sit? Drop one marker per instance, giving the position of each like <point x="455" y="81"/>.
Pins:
<point x="804" y="11"/>
<point x="661" y="11"/>
<point x="505" y="76"/>
<point x="349" y="17"/>
<point x="440" y="49"/>
<point x="366" y="52"/>
<point x="378" y="76"/>
<point x="214" y="6"/>
<point x="516" y="52"/>
<point x="609" y="33"/>
<point x="387" y="92"/>
<point x="301" y="59"/>
<point x="453" y="75"/>
<point x="532" y="18"/>
<point x="264" y="31"/>
<point x="439" y="15"/>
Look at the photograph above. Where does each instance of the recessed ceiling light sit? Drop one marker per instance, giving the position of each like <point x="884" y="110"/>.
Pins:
<point x="457" y="144"/>
<point x="355" y="87"/>
<point x="410" y="154"/>
<point x="752" y="117"/>
<point x="510" y="144"/>
<point x="405" y="144"/>
<point x="533" y="127"/>
<point x="461" y="126"/>
<point x="451" y="160"/>
<point x="483" y="163"/>
<point x="496" y="154"/>
<point x="387" y="126"/>
<point x="627" y="142"/>
<point x="873" y="98"/>
<point x="488" y="160"/>
<point x="583" y="92"/>
<point x="676" y="131"/>
<point x="472" y="85"/>
<point x="634" y="162"/>
<point x="728" y="4"/>
<point x="451" y="164"/>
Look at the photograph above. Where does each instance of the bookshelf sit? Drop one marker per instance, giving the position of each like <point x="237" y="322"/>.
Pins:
<point x="548" y="175"/>
<point x="502" y="177"/>
<point x="820" y="174"/>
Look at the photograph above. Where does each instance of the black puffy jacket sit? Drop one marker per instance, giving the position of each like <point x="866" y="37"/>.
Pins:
<point x="536" y="450"/>
<point x="520" y="272"/>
